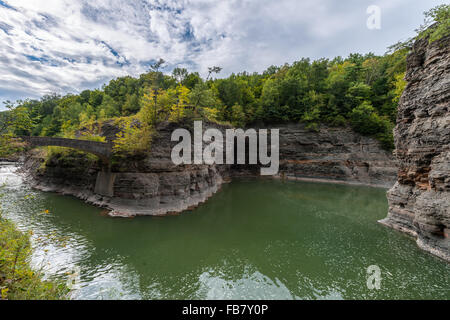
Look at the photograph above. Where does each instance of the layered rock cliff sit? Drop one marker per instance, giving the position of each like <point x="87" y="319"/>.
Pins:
<point x="419" y="202"/>
<point x="153" y="185"/>
<point x="149" y="185"/>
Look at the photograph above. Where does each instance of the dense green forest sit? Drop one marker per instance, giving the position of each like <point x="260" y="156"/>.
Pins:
<point x="361" y="91"/>
<point x="18" y="280"/>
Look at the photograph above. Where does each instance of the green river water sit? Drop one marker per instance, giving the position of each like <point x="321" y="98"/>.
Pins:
<point x="255" y="239"/>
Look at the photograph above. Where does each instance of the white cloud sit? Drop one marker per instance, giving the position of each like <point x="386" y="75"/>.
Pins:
<point x="67" y="46"/>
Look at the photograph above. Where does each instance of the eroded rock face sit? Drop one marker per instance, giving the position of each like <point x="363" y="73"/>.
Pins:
<point x="337" y="154"/>
<point x="153" y="185"/>
<point x="419" y="202"/>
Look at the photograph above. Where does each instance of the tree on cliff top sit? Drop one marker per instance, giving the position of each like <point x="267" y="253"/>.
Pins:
<point x="437" y="23"/>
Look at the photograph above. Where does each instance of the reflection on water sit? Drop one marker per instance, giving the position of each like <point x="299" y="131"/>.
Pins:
<point x="258" y="239"/>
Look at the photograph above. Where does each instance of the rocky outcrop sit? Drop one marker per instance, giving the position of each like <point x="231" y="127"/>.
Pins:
<point x="419" y="202"/>
<point x="149" y="185"/>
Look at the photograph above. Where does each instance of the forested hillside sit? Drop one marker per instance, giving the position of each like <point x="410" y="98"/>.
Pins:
<point x="361" y="91"/>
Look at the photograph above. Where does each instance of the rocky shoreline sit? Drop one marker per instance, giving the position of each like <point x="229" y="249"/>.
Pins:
<point x="419" y="202"/>
<point x="126" y="208"/>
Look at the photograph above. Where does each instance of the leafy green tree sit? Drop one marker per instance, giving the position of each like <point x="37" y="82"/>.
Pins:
<point x="237" y="116"/>
<point x="180" y="74"/>
<point x="85" y="96"/>
<point x="19" y="122"/>
<point x="202" y="96"/>
<point x="357" y="94"/>
<point x="365" y="120"/>
<point x="131" y="105"/>
<point x="191" y="80"/>
<point x="109" y="108"/>
<point x="312" y="116"/>
<point x="96" y="98"/>
<point x="440" y="16"/>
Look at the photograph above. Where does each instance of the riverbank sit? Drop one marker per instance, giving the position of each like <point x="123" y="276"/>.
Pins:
<point x="230" y="247"/>
<point x="18" y="281"/>
<point x="318" y="180"/>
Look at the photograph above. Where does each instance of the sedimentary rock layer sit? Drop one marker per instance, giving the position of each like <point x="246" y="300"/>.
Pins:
<point x="419" y="202"/>
<point x="337" y="154"/>
<point x="153" y="185"/>
<point x="149" y="185"/>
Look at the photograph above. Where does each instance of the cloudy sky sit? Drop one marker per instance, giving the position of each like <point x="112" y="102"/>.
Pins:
<point x="67" y="46"/>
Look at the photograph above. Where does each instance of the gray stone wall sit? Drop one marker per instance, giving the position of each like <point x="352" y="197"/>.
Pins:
<point x="419" y="203"/>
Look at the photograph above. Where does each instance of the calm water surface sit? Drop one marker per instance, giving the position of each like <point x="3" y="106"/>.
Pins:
<point x="255" y="239"/>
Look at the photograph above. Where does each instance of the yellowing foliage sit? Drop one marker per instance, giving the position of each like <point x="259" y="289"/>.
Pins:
<point x="134" y="138"/>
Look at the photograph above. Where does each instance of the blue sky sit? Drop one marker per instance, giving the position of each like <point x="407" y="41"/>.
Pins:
<point x="68" y="46"/>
